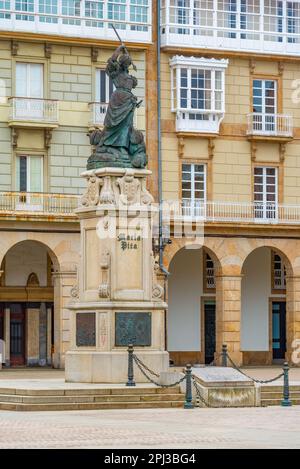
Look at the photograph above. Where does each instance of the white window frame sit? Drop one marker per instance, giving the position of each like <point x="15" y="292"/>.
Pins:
<point x="186" y="115"/>
<point x="194" y="206"/>
<point x="29" y="157"/>
<point x="264" y="209"/>
<point x="98" y="86"/>
<point x="282" y="273"/>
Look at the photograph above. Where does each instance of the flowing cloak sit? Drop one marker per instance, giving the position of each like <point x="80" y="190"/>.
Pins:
<point x="118" y="121"/>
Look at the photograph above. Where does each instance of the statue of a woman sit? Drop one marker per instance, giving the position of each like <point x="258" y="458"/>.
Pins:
<point x="119" y="144"/>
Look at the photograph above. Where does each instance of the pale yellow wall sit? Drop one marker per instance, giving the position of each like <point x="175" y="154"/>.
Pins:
<point x="231" y="165"/>
<point x="69" y="77"/>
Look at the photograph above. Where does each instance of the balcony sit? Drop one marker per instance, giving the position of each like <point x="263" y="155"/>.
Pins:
<point x="231" y="212"/>
<point x="21" y="204"/>
<point x="97" y="113"/>
<point x="27" y="112"/>
<point x="198" y="121"/>
<point x="270" y="125"/>
<point x="79" y="18"/>
<point x="250" y="26"/>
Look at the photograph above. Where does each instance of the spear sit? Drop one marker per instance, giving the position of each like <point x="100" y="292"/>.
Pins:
<point x="122" y="43"/>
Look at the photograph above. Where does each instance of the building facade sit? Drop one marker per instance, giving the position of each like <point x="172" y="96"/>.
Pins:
<point x="230" y="150"/>
<point x="230" y="129"/>
<point x="54" y="91"/>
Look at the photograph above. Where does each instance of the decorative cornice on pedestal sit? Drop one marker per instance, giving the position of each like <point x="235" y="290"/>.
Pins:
<point x="116" y="186"/>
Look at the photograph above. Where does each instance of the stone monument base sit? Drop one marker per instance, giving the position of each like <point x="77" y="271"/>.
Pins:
<point x="225" y="387"/>
<point x="112" y="366"/>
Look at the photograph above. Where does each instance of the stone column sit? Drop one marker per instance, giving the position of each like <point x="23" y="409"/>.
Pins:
<point x="7" y="335"/>
<point x="49" y="334"/>
<point x="43" y="335"/>
<point x="293" y="319"/>
<point x="33" y="333"/>
<point x="228" y="315"/>
<point x="64" y="281"/>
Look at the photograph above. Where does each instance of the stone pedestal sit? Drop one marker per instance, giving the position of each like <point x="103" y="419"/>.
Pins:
<point x="118" y="299"/>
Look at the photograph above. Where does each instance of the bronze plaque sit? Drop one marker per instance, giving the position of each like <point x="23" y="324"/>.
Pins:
<point x="133" y="328"/>
<point x="85" y="329"/>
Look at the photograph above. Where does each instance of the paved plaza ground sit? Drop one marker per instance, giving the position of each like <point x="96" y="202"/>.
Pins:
<point x="271" y="427"/>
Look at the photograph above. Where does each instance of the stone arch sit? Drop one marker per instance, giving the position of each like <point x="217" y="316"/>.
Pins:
<point x="188" y="300"/>
<point x="63" y="250"/>
<point x="276" y="246"/>
<point x="256" y="313"/>
<point x="178" y="244"/>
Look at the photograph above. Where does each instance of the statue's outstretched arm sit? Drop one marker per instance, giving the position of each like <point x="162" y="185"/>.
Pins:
<point x="120" y="50"/>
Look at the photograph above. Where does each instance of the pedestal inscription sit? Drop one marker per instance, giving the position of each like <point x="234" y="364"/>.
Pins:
<point x="85" y="329"/>
<point x="133" y="328"/>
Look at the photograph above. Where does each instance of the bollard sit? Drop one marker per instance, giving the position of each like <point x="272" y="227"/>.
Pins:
<point x="130" y="381"/>
<point x="286" y="389"/>
<point x="224" y="355"/>
<point x="188" y="404"/>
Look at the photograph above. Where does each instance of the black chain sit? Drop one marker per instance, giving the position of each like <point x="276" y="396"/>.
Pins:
<point x="140" y="365"/>
<point x="199" y="395"/>
<point x="260" y="381"/>
<point x="145" y="366"/>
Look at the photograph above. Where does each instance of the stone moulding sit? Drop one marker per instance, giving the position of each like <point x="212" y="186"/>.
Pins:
<point x="117" y="187"/>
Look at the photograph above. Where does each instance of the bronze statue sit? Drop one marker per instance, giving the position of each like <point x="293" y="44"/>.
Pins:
<point x="119" y="144"/>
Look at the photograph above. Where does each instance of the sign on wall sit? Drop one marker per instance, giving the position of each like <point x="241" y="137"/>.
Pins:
<point x="133" y="328"/>
<point x="85" y="329"/>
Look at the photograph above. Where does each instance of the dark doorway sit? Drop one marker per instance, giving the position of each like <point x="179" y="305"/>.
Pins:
<point x="210" y="331"/>
<point x="17" y="334"/>
<point x="279" y="329"/>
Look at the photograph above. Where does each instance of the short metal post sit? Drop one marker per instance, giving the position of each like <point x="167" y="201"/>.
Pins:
<point x="188" y="404"/>
<point x="130" y="381"/>
<point x="286" y="389"/>
<point x="224" y="355"/>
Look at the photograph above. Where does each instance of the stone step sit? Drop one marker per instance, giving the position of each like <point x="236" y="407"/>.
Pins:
<point x="90" y="406"/>
<point x="89" y="398"/>
<point x="269" y="402"/>
<point x="92" y="391"/>
<point x="278" y="395"/>
<point x="293" y="387"/>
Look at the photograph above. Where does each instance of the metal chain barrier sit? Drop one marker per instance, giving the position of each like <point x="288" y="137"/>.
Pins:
<point x="145" y="366"/>
<point x="260" y="381"/>
<point x="141" y="367"/>
<point x="199" y="395"/>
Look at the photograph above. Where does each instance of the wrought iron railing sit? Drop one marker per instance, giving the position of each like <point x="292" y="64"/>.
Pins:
<point x="33" y="109"/>
<point x="270" y="124"/>
<point x="231" y="212"/>
<point x="38" y="203"/>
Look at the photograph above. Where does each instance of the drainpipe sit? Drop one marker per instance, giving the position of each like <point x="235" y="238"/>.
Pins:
<point x="158" y="44"/>
<point x="161" y="243"/>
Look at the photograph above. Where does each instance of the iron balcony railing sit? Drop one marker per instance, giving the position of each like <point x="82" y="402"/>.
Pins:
<point x="278" y="125"/>
<point x="38" y="203"/>
<point x="97" y="113"/>
<point x="79" y="18"/>
<point x="231" y="212"/>
<point x="33" y="109"/>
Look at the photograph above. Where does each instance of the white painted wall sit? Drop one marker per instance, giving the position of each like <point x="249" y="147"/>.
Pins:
<point x="256" y="290"/>
<point x="185" y="290"/>
<point x="22" y="260"/>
